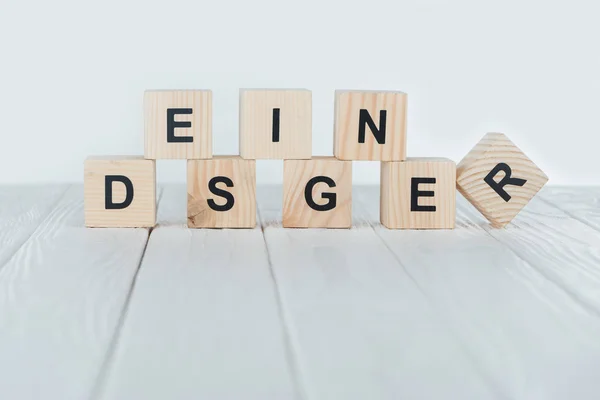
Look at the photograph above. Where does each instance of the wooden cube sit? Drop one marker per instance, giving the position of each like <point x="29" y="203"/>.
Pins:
<point x="370" y="125"/>
<point x="275" y="124"/>
<point x="498" y="178"/>
<point x="119" y="192"/>
<point x="419" y="193"/>
<point x="317" y="193"/>
<point x="221" y="193"/>
<point x="178" y="124"/>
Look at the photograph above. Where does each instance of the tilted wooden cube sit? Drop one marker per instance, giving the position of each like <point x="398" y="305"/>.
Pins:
<point x="370" y="125"/>
<point x="317" y="193"/>
<point x="419" y="193"/>
<point x="221" y="193"/>
<point x="498" y="178"/>
<point x="119" y="192"/>
<point x="275" y="124"/>
<point x="178" y="124"/>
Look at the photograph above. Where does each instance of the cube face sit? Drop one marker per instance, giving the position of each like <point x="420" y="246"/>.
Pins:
<point x="119" y="192"/>
<point x="419" y="193"/>
<point x="317" y="193"/>
<point x="370" y="125"/>
<point x="498" y="178"/>
<point x="221" y="193"/>
<point x="275" y="124"/>
<point x="178" y="124"/>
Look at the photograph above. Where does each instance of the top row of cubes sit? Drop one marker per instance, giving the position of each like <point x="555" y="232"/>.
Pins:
<point x="276" y="124"/>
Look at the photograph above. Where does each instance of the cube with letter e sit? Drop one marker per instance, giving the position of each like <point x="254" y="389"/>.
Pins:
<point x="178" y="124"/>
<point x="419" y="193"/>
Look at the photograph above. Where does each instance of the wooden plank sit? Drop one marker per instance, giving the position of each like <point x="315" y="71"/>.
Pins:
<point x="22" y="209"/>
<point x="581" y="203"/>
<point x="528" y="337"/>
<point x="203" y="321"/>
<point x="61" y="297"/>
<point x="562" y="249"/>
<point x="359" y="327"/>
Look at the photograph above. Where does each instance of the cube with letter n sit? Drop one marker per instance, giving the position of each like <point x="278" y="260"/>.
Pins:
<point x="370" y="125"/>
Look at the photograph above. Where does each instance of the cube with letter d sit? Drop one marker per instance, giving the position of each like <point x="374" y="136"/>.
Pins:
<point x="119" y="192"/>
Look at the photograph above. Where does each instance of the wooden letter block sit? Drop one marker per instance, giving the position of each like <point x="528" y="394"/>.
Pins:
<point x="221" y="193"/>
<point x="178" y="124"/>
<point x="498" y="178"/>
<point x="317" y="193"/>
<point x="419" y="193"/>
<point x="275" y="124"/>
<point x="119" y="192"/>
<point x="370" y="125"/>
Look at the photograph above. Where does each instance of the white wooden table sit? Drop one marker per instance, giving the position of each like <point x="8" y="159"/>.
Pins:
<point x="272" y="313"/>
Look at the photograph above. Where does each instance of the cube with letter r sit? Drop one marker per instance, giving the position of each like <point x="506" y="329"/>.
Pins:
<point x="498" y="178"/>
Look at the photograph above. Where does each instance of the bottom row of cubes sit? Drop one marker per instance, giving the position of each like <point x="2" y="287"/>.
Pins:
<point x="418" y="193"/>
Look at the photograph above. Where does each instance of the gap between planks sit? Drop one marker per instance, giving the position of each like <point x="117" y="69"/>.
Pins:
<point x="108" y="359"/>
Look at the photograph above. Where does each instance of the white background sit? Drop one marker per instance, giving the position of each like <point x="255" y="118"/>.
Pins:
<point x="73" y="73"/>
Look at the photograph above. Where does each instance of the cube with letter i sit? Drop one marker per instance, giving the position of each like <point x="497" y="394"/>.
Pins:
<point x="419" y="193"/>
<point x="119" y="192"/>
<point x="317" y="193"/>
<point x="498" y="178"/>
<point x="370" y="125"/>
<point x="275" y="124"/>
<point x="178" y="124"/>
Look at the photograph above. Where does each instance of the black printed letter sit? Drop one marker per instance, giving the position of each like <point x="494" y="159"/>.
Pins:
<point x="506" y="180"/>
<point x="276" y="124"/>
<point x="172" y="124"/>
<point x="108" y="193"/>
<point x="212" y="186"/>
<point x="329" y="196"/>
<point x="415" y="193"/>
<point x="365" y="119"/>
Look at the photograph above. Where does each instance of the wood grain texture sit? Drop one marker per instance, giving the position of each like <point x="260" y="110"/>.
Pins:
<point x="359" y="327"/>
<point x="142" y="174"/>
<point x="396" y="191"/>
<point x="22" y="210"/>
<point x="156" y="103"/>
<point x="348" y="104"/>
<point x="61" y="298"/>
<point x="493" y="149"/>
<point x="580" y="203"/>
<point x="241" y="173"/>
<point x="563" y="250"/>
<point x="296" y="177"/>
<point x="203" y="321"/>
<point x="528" y="337"/>
<point x="294" y="129"/>
<point x="472" y="313"/>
